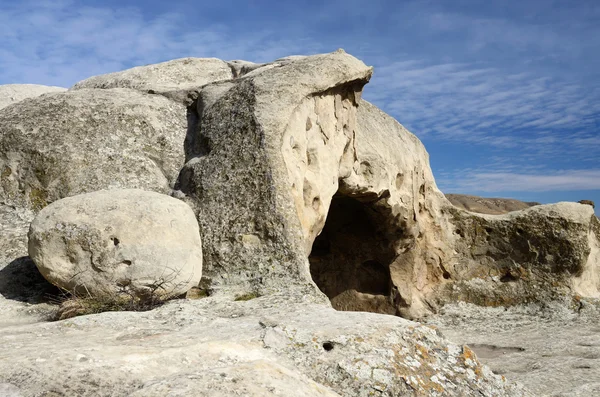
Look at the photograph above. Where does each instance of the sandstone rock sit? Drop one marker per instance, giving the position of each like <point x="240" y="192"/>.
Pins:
<point x="161" y="78"/>
<point x="294" y="180"/>
<point x="273" y="345"/>
<point x="484" y="205"/>
<point x="81" y="141"/>
<point x="11" y="93"/>
<point x="240" y="67"/>
<point x="112" y="240"/>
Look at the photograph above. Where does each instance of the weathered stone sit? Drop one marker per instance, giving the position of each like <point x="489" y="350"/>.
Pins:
<point x="484" y="205"/>
<point x="308" y="169"/>
<point x="273" y="345"/>
<point x="81" y="141"/>
<point x="237" y="161"/>
<point x="11" y="93"/>
<point x="176" y="75"/>
<point x="533" y="255"/>
<point x="113" y="240"/>
<point x="526" y="343"/>
<point x="587" y="202"/>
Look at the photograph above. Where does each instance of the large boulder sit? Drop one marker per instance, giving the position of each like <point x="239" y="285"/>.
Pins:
<point x="11" y="93"/>
<point x="318" y="184"/>
<point x="86" y="140"/>
<point x="103" y="242"/>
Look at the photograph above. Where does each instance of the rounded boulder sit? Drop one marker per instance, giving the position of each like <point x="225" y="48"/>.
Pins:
<point x="118" y="240"/>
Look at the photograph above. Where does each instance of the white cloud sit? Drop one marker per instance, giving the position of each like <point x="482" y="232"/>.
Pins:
<point x="60" y="43"/>
<point x="564" y="180"/>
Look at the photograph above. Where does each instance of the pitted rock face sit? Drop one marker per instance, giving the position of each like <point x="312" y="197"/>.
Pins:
<point x="308" y="170"/>
<point x="86" y="140"/>
<point x="102" y="242"/>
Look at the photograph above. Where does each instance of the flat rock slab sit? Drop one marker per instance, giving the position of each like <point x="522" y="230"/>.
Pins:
<point x="552" y="351"/>
<point x="220" y="347"/>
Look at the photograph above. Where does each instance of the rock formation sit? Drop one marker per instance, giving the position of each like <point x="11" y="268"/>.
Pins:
<point x="179" y="74"/>
<point x="82" y="141"/>
<point x="144" y="243"/>
<point x="484" y="205"/>
<point x="11" y="93"/>
<point x="303" y="191"/>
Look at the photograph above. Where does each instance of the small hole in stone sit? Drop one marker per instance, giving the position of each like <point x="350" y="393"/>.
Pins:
<point x="115" y="241"/>
<point x="488" y="230"/>
<point x="126" y="262"/>
<point x="507" y="278"/>
<point x="328" y="346"/>
<point x="446" y="275"/>
<point x="316" y="203"/>
<point x="459" y="232"/>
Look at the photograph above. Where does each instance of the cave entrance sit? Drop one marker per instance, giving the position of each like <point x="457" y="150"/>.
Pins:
<point x="350" y="260"/>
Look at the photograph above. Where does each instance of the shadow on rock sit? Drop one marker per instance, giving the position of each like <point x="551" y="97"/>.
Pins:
<point x="20" y="280"/>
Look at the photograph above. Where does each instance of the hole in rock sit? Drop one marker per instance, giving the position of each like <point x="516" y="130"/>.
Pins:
<point x="350" y="260"/>
<point x="115" y="241"/>
<point x="328" y="346"/>
<point x="508" y="278"/>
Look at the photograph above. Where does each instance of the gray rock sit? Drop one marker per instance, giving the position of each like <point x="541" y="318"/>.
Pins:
<point x="11" y="93"/>
<point x="86" y="140"/>
<point x="538" y="254"/>
<point x="237" y="161"/>
<point x="218" y="347"/>
<point x="113" y="240"/>
<point x="548" y="347"/>
<point x="175" y="75"/>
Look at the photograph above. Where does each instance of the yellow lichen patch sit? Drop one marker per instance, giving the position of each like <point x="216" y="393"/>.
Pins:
<point x="38" y="198"/>
<point x="470" y="360"/>
<point x="6" y="171"/>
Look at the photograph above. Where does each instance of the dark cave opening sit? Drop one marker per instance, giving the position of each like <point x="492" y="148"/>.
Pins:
<point x="350" y="259"/>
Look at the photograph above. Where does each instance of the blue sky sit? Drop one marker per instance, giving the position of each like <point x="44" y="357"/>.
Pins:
<point x="504" y="94"/>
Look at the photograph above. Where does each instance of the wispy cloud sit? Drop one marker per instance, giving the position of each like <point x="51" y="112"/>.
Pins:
<point x="60" y="43"/>
<point x="518" y="81"/>
<point x="531" y="182"/>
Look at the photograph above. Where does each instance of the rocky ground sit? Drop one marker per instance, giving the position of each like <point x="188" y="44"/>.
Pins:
<point x="551" y="349"/>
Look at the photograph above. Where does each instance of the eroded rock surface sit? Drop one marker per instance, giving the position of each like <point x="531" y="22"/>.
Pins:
<point x="277" y="345"/>
<point x="86" y="140"/>
<point x="295" y="180"/>
<point x="108" y="241"/>
<point x="307" y="168"/>
<point x="537" y="254"/>
<point x="11" y="93"/>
